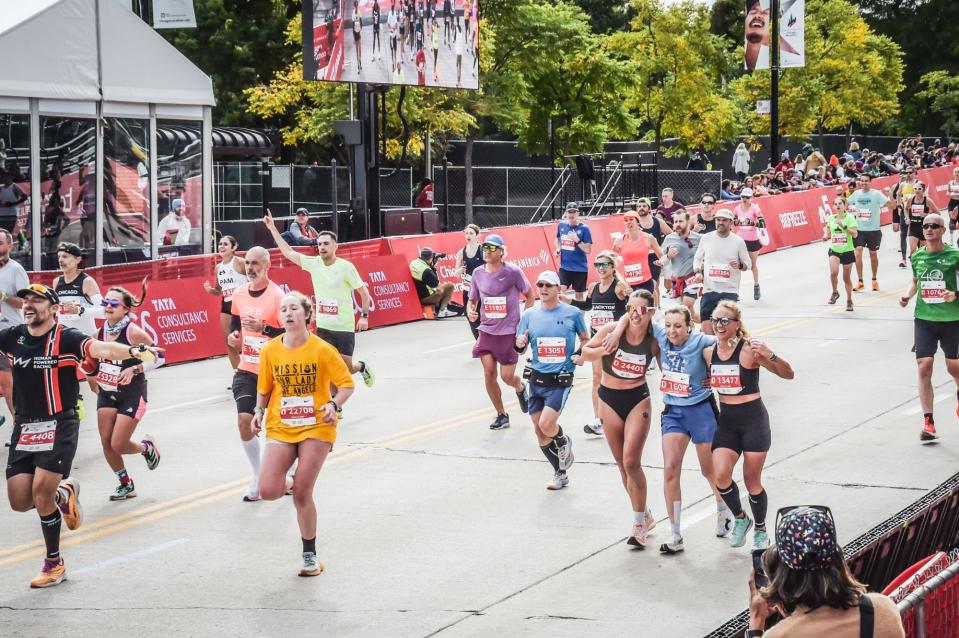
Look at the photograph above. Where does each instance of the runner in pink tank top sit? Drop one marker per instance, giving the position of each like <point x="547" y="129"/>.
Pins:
<point x="749" y="219"/>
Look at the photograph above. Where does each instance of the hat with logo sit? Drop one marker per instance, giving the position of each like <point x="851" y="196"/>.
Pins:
<point x="572" y="206"/>
<point x="549" y="277"/>
<point x="302" y="211"/>
<point x="494" y="240"/>
<point x="39" y="289"/>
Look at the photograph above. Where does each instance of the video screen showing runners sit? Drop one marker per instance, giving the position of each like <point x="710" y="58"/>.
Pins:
<point x="414" y="42"/>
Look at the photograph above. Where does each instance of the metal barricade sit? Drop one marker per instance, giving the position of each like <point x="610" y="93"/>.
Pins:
<point x="932" y="610"/>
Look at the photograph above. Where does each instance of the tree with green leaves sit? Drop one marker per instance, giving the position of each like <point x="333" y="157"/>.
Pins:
<point x="940" y="91"/>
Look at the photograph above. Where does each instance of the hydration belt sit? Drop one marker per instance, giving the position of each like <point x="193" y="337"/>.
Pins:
<point x="551" y="379"/>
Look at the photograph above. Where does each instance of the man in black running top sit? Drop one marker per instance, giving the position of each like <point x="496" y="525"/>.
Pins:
<point x="44" y="356"/>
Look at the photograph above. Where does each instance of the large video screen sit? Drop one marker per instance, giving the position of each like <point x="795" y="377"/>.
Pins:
<point x="414" y="42"/>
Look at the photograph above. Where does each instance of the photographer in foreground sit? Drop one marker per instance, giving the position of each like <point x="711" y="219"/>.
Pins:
<point x="431" y="292"/>
<point x="811" y="586"/>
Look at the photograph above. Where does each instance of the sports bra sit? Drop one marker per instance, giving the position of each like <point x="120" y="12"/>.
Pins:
<point x="605" y="305"/>
<point x="630" y="361"/>
<point x="728" y="377"/>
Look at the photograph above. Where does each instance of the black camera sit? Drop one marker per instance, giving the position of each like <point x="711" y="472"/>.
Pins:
<point x="440" y="256"/>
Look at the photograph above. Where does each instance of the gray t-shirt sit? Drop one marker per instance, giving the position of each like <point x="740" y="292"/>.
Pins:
<point x="12" y="278"/>
<point x="682" y="263"/>
<point x="713" y="257"/>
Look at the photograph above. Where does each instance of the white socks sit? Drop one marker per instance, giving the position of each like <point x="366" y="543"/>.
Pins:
<point x="252" y="449"/>
<point x="639" y="517"/>
<point x="677" y="512"/>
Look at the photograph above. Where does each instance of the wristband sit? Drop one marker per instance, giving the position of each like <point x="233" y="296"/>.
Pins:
<point x="259" y="410"/>
<point x="774" y="357"/>
<point x="754" y="633"/>
<point x="333" y="403"/>
<point x="364" y="315"/>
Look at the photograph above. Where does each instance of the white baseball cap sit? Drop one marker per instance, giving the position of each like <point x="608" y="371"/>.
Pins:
<point x="746" y="192"/>
<point x="549" y="277"/>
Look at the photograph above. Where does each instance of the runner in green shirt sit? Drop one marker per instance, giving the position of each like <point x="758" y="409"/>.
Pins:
<point x="840" y="230"/>
<point x="937" y="312"/>
<point x="334" y="281"/>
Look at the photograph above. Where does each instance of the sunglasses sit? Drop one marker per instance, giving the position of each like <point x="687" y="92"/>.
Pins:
<point x="721" y="321"/>
<point x="40" y="289"/>
<point x="111" y="303"/>
<point x="931" y="226"/>
<point x="489" y="248"/>
<point x="707" y="202"/>
<point x="543" y="284"/>
<point x="602" y="265"/>
<point x="635" y="312"/>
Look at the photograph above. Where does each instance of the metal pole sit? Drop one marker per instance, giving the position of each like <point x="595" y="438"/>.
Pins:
<point x="774" y="85"/>
<point x="446" y="194"/>
<point x="552" y="166"/>
<point x="336" y="209"/>
<point x="919" y="620"/>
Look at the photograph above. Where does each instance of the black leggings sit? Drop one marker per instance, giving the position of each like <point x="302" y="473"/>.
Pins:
<point x="743" y="427"/>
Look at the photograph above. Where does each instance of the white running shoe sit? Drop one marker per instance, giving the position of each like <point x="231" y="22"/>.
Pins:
<point x="724" y="522"/>
<point x="252" y="492"/>
<point x="311" y="566"/>
<point x="638" y="536"/>
<point x="594" y="427"/>
<point x="565" y="454"/>
<point x="673" y="546"/>
<point x="560" y="480"/>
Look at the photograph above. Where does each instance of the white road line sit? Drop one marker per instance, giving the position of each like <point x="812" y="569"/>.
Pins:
<point x="103" y="564"/>
<point x="449" y="347"/>
<point x="178" y="406"/>
<point x="703" y="514"/>
<point x="917" y="409"/>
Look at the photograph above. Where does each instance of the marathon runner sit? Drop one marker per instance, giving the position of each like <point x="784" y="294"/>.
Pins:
<point x="294" y="405"/>
<point x="573" y="243"/>
<point x="606" y="302"/>
<point x="721" y="258"/>
<point x="334" y="281"/>
<point x="680" y="249"/>
<point x="953" y="206"/>
<point x="902" y="192"/>
<point x="743" y="427"/>
<point x="705" y="219"/>
<point x="749" y="219"/>
<point x="375" y="17"/>
<point x="689" y="414"/>
<point x="45" y="356"/>
<point x="494" y="302"/>
<point x="839" y="234"/>
<point x="625" y="404"/>
<point x="357" y="21"/>
<point x="937" y="313"/>
<point x="230" y="275"/>
<point x="13" y="278"/>
<point x="866" y="204"/>
<point x="552" y="328"/>
<point x="393" y="22"/>
<point x="122" y="389"/>
<point x="658" y="228"/>
<point x="919" y="206"/>
<point x="635" y="246"/>
<point x="468" y="259"/>
<point x="255" y="309"/>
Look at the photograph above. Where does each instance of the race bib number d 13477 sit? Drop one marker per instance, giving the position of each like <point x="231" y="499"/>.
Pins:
<point x="725" y="379"/>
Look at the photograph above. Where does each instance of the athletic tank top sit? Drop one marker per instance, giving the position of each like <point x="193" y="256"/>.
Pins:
<point x="727" y="377"/>
<point x="108" y="373"/>
<point x="635" y="261"/>
<point x="229" y="278"/>
<point x="73" y="292"/>
<point x="606" y="305"/>
<point x="953" y="190"/>
<point x="656" y="230"/>
<point x="709" y="225"/>
<point x="918" y="212"/>
<point x="629" y="362"/>
<point x="471" y="264"/>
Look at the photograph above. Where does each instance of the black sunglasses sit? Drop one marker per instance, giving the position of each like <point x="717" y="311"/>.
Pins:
<point x="707" y="202"/>
<point x="931" y="226"/>
<point x="543" y="284"/>
<point x="721" y="321"/>
<point x="602" y="264"/>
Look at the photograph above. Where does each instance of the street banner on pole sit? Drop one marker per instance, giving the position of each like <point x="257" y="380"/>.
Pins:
<point x="173" y="14"/>
<point x="792" y="34"/>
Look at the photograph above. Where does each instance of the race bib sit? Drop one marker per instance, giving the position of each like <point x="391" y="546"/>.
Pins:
<point x="953" y="190"/>
<point x="228" y="294"/>
<point x="725" y="379"/>
<point x="629" y="365"/>
<point x="719" y="272"/>
<point x="567" y="242"/>
<point x="551" y="349"/>
<point x="839" y="239"/>
<point x="37" y="437"/>
<point x="600" y="318"/>
<point x="297" y="411"/>
<point x="918" y="209"/>
<point x="327" y="307"/>
<point x="933" y="291"/>
<point x="864" y="214"/>
<point x="634" y="273"/>
<point x="675" y="384"/>
<point x="494" y="307"/>
<point x="108" y="376"/>
<point x="252" y="345"/>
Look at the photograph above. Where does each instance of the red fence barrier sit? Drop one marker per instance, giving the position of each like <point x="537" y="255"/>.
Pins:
<point x="185" y="320"/>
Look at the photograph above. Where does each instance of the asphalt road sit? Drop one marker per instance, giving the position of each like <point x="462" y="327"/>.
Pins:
<point x="431" y="524"/>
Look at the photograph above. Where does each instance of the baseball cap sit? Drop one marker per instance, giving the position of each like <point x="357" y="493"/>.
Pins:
<point x="746" y="192"/>
<point x="39" y="289"/>
<point x="725" y="213"/>
<point x="302" y="211"/>
<point x="549" y="277"/>
<point x="631" y="214"/>
<point x="572" y="206"/>
<point x="806" y="538"/>
<point x="494" y="240"/>
<point x="70" y="248"/>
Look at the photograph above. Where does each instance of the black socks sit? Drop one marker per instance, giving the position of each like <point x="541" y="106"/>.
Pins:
<point x="758" y="503"/>
<point x="50" y="524"/>
<point x="549" y="451"/>
<point x="309" y="545"/>
<point x="730" y="496"/>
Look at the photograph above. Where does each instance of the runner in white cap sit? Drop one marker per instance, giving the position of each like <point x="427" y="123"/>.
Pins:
<point x="720" y="260"/>
<point x="749" y="219"/>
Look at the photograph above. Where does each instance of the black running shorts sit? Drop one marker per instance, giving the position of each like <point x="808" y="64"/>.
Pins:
<point x="31" y="448"/>
<point x="343" y="341"/>
<point x="869" y="239"/>
<point x="244" y="391"/>
<point x="573" y="279"/>
<point x="846" y="258"/>
<point x="931" y="335"/>
<point x="743" y="427"/>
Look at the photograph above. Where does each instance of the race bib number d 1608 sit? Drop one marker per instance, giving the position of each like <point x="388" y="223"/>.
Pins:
<point x="674" y="383"/>
<point x="551" y="349"/>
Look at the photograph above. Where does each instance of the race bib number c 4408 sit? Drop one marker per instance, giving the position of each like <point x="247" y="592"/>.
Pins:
<point x="933" y="291"/>
<point x="297" y="411"/>
<point x="494" y="307"/>
<point x="37" y="437"/>
<point x="629" y="365"/>
<point x="675" y="384"/>
<point x="252" y="345"/>
<point x="600" y="318"/>
<point x="551" y="349"/>
<point x="327" y="307"/>
<point x="108" y="376"/>
<point x="725" y="379"/>
<point x="719" y="272"/>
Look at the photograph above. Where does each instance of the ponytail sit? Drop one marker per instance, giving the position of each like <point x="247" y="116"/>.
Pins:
<point x="128" y="299"/>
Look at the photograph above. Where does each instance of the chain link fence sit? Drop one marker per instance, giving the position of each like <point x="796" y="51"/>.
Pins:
<point x="688" y="186"/>
<point x="238" y="189"/>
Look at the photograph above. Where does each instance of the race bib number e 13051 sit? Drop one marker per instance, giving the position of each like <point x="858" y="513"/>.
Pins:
<point x="551" y="349"/>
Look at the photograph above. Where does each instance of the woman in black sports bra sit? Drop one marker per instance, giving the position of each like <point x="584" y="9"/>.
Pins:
<point x="916" y="210"/>
<point x="468" y="259"/>
<point x="625" y="403"/>
<point x="743" y="424"/>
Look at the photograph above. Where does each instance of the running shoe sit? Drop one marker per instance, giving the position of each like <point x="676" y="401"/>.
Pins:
<point x="501" y="422"/>
<point x="289" y="485"/>
<point x="560" y="480"/>
<point x="859" y="287"/>
<point x="81" y="409"/>
<point x="928" y="431"/>
<point x="756" y="294"/>
<point x="52" y="573"/>
<point x="650" y="521"/>
<point x="875" y="285"/>
<point x="123" y="492"/>
<point x="724" y="522"/>
<point x="311" y="566"/>
<point x="740" y="527"/>
<point x="152" y="453"/>
<point x="638" y="536"/>
<point x="252" y="492"/>
<point x="760" y="540"/>
<point x="523" y="400"/>
<point x="445" y="313"/>
<point x="565" y="454"/>
<point x="673" y="546"/>
<point x="594" y="427"/>
<point x="367" y="373"/>
<point x="70" y="504"/>
<point x="849" y="307"/>
<point x="833" y="298"/>
<point x="902" y="263"/>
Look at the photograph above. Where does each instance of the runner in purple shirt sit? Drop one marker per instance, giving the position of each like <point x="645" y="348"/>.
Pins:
<point x="494" y="300"/>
